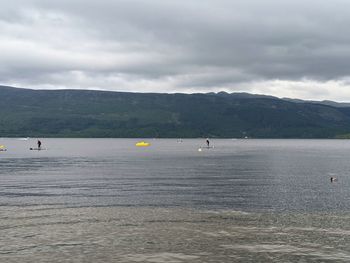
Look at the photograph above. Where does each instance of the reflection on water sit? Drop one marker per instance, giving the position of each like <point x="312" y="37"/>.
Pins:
<point x="105" y="200"/>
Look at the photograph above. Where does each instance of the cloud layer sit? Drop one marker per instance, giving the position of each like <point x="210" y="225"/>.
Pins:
<point x="284" y="48"/>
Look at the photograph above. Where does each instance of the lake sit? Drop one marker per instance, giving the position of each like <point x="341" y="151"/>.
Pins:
<point x="105" y="200"/>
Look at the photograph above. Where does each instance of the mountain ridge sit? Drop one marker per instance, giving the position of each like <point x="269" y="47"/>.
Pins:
<point x="95" y="113"/>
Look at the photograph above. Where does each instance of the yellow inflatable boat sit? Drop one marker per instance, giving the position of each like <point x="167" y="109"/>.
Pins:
<point x="142" y="144"/>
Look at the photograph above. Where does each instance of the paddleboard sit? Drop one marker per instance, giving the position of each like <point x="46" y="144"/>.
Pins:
<point x="206" y="147"/>
<point x="37" y="149"/>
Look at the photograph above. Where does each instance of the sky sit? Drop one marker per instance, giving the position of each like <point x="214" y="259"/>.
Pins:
<point x="286" y="48"/>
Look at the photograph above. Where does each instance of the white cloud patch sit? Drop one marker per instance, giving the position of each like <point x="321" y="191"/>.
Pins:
<point x="307" y="89"/>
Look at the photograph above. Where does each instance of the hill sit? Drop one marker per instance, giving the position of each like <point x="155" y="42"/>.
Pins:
<point x="86" y="113"/>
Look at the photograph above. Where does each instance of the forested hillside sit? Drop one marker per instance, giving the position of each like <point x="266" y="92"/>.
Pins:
<point x="85" y="113"/>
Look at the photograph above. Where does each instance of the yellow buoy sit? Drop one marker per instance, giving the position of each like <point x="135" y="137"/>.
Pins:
<point x="142" y="144"/>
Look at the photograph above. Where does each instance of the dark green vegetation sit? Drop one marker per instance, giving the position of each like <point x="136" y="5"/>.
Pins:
<point x="83" y="113"/>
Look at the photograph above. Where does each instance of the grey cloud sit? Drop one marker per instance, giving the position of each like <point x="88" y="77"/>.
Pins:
<point x="182" y="44"/>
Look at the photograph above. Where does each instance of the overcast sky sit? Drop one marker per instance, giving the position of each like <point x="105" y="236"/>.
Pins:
<point x="286" y="48"/>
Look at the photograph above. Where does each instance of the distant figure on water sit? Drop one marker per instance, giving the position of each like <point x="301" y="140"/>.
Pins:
<point x="208" y="142"/>
<point x="333" y="179"/>
<point x="39" y="144"/>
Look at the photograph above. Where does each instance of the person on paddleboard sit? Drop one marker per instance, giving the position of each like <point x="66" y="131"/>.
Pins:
<point x="39" y="144"/>
<point x="208" y="142"/>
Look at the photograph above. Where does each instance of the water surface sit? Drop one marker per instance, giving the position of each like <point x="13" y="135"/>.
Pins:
<point x="105" y="200"/>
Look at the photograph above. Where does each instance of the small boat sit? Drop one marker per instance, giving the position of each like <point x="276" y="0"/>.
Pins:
<point x="23" y="139"/>
<point x="3" y="148"/>
<point x="142" y="144"/>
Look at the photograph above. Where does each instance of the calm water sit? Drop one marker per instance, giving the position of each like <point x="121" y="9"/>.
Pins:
<point x="105" y="200"/>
